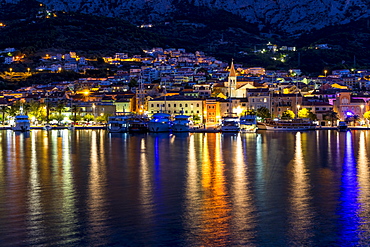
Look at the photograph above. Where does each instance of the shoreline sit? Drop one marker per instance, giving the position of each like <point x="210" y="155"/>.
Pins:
<point x="197" y="130"/>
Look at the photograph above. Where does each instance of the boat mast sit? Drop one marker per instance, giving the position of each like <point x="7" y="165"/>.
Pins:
<point x="140" y="106"/>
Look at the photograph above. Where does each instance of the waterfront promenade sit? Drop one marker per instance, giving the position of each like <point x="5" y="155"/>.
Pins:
<point x="196" y="129"/>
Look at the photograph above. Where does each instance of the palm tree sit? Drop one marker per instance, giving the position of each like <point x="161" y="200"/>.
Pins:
<point x="4" y="109"/>
<point x="14" y="110"/>
<point x="59" y="108"/>
<point x="75" y="109"/>
<point x="332" y="116"/>
<point x="263" y="113"/>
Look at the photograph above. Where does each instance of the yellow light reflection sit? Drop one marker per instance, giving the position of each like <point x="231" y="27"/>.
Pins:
<point x="69" y="198"/>
<point x="96" y="200"/>
<point x="36" y="224"/>
<point x="363" y="174"/>
<point x="215" y="208"/>
<point x="243" y="216"/>
<point x="300" y="218"/>
<point x="146" y="188"/>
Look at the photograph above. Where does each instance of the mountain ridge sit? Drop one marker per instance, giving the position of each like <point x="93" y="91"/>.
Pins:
<point x="282" y="15"/>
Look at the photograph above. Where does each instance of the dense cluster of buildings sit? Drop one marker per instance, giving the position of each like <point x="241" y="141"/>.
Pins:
<point x="175" y="81"/>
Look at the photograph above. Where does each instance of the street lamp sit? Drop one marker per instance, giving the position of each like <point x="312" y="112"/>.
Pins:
<point x="325" y="71"/>
<point x="298" y="106"/>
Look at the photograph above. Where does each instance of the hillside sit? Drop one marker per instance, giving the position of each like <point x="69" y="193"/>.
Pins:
<point x="32" y="28"/>
<point x="270" y="15"/>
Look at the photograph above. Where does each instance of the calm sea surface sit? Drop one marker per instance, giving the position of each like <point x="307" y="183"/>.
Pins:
<point x="92" y="188"/>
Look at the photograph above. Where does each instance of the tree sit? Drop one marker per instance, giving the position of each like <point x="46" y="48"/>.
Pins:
<point x="312" y="116"/>
<point x="250" y="112"/>
<point x="352" y="118"/>
<point x="88" y="117"/>
<point x="132" y="83"/>
<point x="331" y="116"/>
<point x="103" y="118"/>
<point x="263" y="113"/>
<point x="367" y="116"/>
<point x="75" y="110"/>
<point x="4" y="109"/>
<point x="303" y="113"/>
<point x="288" y="114"/>
<point x="36" y="110"/>
<point x="59" y="108"/>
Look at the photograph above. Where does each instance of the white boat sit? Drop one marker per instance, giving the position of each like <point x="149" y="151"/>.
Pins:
<point x="342" y="126"/>
<point x="248" y="123"/>
<point x="230" y="124"/>
<point x="182" y="123"/>
<point x="47" y="127"/>
<point x="160" y="122"/>
<point x="118" y="124"/>
<point x="21" y="123"/>
<point x="286" y="125"/>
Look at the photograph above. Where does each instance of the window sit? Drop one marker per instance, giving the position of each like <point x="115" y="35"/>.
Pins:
<point x="169" y="105"/>
<point x="180" y="105"/>
<point x="174" y="105"/>
<point x="152" y="105"/>
<point x="243" y="104"/>
<point x="157" y="105"/>
<point x="197" y="105"/>
<point x="186" y="111"/>
<point x="197" y="111"/>
<point x="324" y="108"/>
<point x="186" y="105"/>
<point x="264" y="100"/>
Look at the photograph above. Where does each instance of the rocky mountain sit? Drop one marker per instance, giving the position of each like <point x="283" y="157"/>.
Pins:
<point x="270" y="15"/>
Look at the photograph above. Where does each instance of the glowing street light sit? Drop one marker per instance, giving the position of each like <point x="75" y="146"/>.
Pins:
<point x="298" y="106"/>
<point x="325" y="71"/>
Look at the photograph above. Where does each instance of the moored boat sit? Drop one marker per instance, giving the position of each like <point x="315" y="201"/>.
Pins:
<point x="286" y="125"/>
<point x="21" y="123"/>
<point x="230" y="123"/>
<point x="118" y="124"/>
<point x="47" y="127"/>
<point x="248" y="123"/>
<point x="138" y="124"/>
<point x="342" y="126"/>
<point x="160" y="122"/>
<point x="182" y="123"/>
